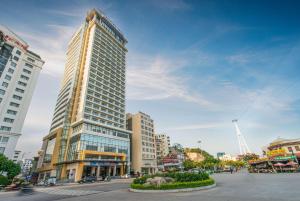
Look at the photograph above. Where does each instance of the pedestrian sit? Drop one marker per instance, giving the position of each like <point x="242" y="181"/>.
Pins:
<point x="231" y="170"/>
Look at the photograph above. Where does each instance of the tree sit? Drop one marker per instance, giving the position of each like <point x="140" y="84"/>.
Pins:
<point x="9" y="167"/>
<point x="248" y="157"/>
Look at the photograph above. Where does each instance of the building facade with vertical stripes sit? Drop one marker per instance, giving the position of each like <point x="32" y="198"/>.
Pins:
<point x="88" y="135"/>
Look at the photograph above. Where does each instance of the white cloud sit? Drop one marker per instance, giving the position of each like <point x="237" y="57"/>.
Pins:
<point x="156" y="78"/>
<point x="51" y="46"/>
<point x="198" y="126"/>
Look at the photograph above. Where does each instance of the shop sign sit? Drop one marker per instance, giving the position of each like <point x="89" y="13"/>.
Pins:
<point x="285" y="158"/>
<point x="276" y="152"/>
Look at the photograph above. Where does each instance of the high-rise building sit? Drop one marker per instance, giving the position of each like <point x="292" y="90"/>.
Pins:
<point x="162" y="145"/>
<point x="19" y="71"/>
<point x="88" y="135"/>
<point x="142" y="143"/>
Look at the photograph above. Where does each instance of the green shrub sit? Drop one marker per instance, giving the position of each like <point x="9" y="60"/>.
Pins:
<point x="186" y="176"/>
<point x="4" y="181"/>
<point x="174" y="185"/>
<point x="141" y="180"/>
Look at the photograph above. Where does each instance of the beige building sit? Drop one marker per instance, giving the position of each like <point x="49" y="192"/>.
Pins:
<point x="88" y="135"/>
<point x="162" y="145"/>
<point x="143" y="143"/>
<point x="289" y="146"/>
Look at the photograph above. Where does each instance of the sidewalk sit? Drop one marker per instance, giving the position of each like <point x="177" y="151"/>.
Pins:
<point x="113" y="181"/>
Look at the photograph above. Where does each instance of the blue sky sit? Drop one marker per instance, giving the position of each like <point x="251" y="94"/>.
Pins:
<point x="192" y="65"/>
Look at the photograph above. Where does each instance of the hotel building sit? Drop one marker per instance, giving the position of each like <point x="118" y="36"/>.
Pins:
<point x="162" y="145"/>
<point x="88" y="135"/>
<point x="142" y="143"/>
<point x="19" y="71"/>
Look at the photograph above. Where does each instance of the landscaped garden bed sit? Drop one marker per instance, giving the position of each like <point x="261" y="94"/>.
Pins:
<point x="172" y="181"/>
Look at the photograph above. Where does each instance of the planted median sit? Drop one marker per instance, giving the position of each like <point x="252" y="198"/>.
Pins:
<point x="172" y="181"/>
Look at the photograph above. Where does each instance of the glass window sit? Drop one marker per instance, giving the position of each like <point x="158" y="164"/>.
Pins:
<point x="5" y="84"/>
<point x="17" y="97"/>
<point x="14" y="104"/>
<point x="18" y="52"/>
<point x="29" y="59"/>
<point x="29" y="65"/>
<point x="13" y="64"/>
<point x="7" y="77"/>
<point x="10" y="70"/>
<point x="2" y="149"/>
<point x="26" y="71"/>
<point x="8" y="120"/>
<point x="24" y="77"/>
<point x="5" y="139"/>
<point x="2" y="91"/>
<point x="22" y="83"/>
<point x="19" y="90"/>
<point x="16" y="58"/>
<point x="11" y="112"/>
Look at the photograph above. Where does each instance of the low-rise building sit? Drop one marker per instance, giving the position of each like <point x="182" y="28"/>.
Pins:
<point x="162" y="145"/>
<point x="291" y="146"/>
<point x="142" y="143"/>
<point x="227" y="157"/>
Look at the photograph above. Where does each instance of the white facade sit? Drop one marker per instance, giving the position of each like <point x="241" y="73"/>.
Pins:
<point x="19" y="71"/>
<point x="227" y="157"/>
<point x="17" y="156"/>
<point x="26" y="165"/>
<point x="162" y="145"/>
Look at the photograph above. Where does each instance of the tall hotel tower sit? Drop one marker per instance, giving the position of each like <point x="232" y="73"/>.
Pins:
<point x="88" y="135"/>
<point x="19" y="71"/>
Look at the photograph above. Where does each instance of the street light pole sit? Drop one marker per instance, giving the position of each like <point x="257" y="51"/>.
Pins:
<point x="199" y="142"/>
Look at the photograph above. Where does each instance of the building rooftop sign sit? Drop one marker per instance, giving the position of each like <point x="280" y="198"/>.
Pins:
<point x="10" y="37"/>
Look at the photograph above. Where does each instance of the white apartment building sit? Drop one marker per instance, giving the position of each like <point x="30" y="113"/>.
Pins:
<point x="162" y="145"/>
<point x="143" y="143"/>
<point x="19" y="71"/>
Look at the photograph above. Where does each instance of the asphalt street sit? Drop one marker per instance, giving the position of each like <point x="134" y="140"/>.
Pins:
<point x="230" y="187"/>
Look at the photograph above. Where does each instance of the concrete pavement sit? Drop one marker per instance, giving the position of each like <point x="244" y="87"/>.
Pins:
<point x="236" y="187"/>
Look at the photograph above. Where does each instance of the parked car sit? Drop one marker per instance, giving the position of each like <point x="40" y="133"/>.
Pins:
<point x="88" y="179"/>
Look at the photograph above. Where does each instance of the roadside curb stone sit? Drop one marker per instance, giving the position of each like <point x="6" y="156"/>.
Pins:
<point x="174" y="190"/>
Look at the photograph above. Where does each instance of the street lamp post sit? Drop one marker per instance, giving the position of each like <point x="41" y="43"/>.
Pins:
<point x="199" y="142"/>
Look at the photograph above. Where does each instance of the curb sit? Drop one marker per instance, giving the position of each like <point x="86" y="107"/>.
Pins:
<point x="173" y="190"/>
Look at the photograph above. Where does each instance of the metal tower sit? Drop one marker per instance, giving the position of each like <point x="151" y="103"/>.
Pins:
<point x="244" y="149"/>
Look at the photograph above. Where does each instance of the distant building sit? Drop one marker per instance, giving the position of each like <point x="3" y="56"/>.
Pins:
<point x="143" y="143"/>
<point x="227" y="157"/>
<point x="220" y="154"/>
<point x="17" y="156"/>
<point x="26" y="165"/>
<point x="19" y="71"/>
<point x="194" y="156"/>
<point x="162" y="145"/>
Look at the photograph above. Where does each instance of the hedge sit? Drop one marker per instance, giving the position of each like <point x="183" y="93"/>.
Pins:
<point x="178" y="177"/>
<point x="174" y="185"/>
<point x="4" y="181"/>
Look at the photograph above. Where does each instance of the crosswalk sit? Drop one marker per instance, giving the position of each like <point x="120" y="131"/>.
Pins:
<point x="59" y="191"/>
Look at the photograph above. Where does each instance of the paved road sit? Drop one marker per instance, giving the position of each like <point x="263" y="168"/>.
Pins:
<point x="236" y="187"/>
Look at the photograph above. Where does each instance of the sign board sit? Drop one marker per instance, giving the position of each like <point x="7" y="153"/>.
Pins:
<point x="279" y="158"/>
<point x="9" y="37"/>
<point x="276" y="152"/>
